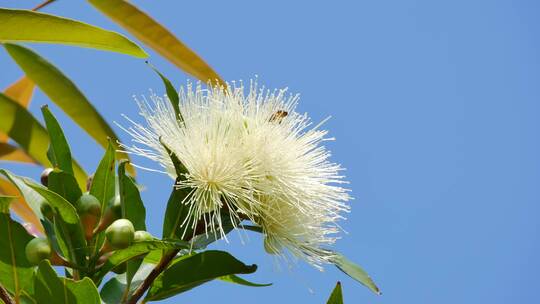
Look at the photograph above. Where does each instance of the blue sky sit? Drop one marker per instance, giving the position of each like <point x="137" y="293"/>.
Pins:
<point x="435" y="108"/>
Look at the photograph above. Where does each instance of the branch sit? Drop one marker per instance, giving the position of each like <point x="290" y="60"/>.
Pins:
<point x="42" y="5"/>
<point x="4" y="296"/>
<point x="163" y="263"/>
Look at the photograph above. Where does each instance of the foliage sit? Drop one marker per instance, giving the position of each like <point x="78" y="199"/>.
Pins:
<point x="77" y="235"/>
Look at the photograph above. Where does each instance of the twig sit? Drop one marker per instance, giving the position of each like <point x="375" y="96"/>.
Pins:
<point x="42" y="5"/>
<point x="4" y="296"/>
<point x="160" y="267"/>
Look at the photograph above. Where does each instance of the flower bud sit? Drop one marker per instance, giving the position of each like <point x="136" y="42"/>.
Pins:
<point x="141" y="235"/>
<point x="38" y="249"/>
<point x="120" y="233"/>
<point x="45" y="176"/>
<point x="89" y="210"/>
<point x="112" y="213"/>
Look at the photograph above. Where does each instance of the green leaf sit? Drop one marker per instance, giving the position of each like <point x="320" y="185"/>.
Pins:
<point x="33" y="198"/>
<point x="176" y="212"/>
<point x="354" y="271"/>
<point x="336" y="297"/>
<point x="192" y="271"/>
<point x="49" y="288"/>
<point x="59" y="153"/>
<point x="171" y="93"/>
<point x="238" y="280"/>
<point x="115" y="289"/>
<point x="28" y="133"/>
<point x="201" y="241"/>
<point x="66" y="211"/>
<point x="28" y="26"/>
<point x="68" y="223"/>
<point x="103" y="186"/>
<point x="132" y="209"/>
<point x="103" y="181"/>
<point x="157" y="37"/>
<point x="136" y="250"/>
<point x="130" y="198"/>
<point x="64" y="93"/>
<point x="15" y="270"/>
<point x="20" y="206"/>
<point x="64" y="184"/>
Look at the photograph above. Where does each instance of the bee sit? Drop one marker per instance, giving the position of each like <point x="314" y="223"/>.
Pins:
<point x="278" y="116"/>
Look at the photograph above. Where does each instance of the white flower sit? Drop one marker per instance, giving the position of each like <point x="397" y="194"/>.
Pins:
<point x="254" y="153"/>
<point x="206" y="142"/>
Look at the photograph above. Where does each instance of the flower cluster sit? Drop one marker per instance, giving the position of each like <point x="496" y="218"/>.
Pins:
<point x="248" y="156"/>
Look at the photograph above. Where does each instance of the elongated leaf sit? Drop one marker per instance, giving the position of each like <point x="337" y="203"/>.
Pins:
<point x="63" y="92"/>
<point x="157" y="37"/>
<point x="103" y="186"/>
<point x="175" y="214"/>
<point x="355" y="272"/>
<point x="59" y="153"/>
<point x="115" y="289"/>
<point x="26" y="131"/>
<point x="66" y="211"/>
<point x="171" y="93"/>
<point x="176" y="211"/>
<point x="49" y="288"/>
<point x="64" y="184"/>
<point x="193" y="271"/>
<point x="337" y="296"/>
<point x="28" y="26"/>
<point x="11" y="153"/>
<point x="68" y="224"/>
<point x="19" y="205"/>
<point x="231" y="278"/>
<point x="133" y="210"/>
<point x="34" y="199"/>
<point x="21" y="91"/>
<point x="136" y="250"/>
<point x="103" y="183"/>
<point x="130" y="198"/>
<point x="14" y="267"/>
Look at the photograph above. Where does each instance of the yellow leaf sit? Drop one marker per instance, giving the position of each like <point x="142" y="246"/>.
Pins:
<point x="157" y="37"/>
<point x="21" y="91"/>
<point x="19" y="206"/>
<point x="12" y="153"/>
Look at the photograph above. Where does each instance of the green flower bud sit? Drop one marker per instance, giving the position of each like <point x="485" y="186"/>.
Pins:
<point x="45" y="176"/>
<point x="37" y="250"/>
<point x="120" y="233"/>
<point x="88" y="204"/>
<point x="112" y="213"/>
<point x="142" y="235"/>
<point x="89" y="210"/>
